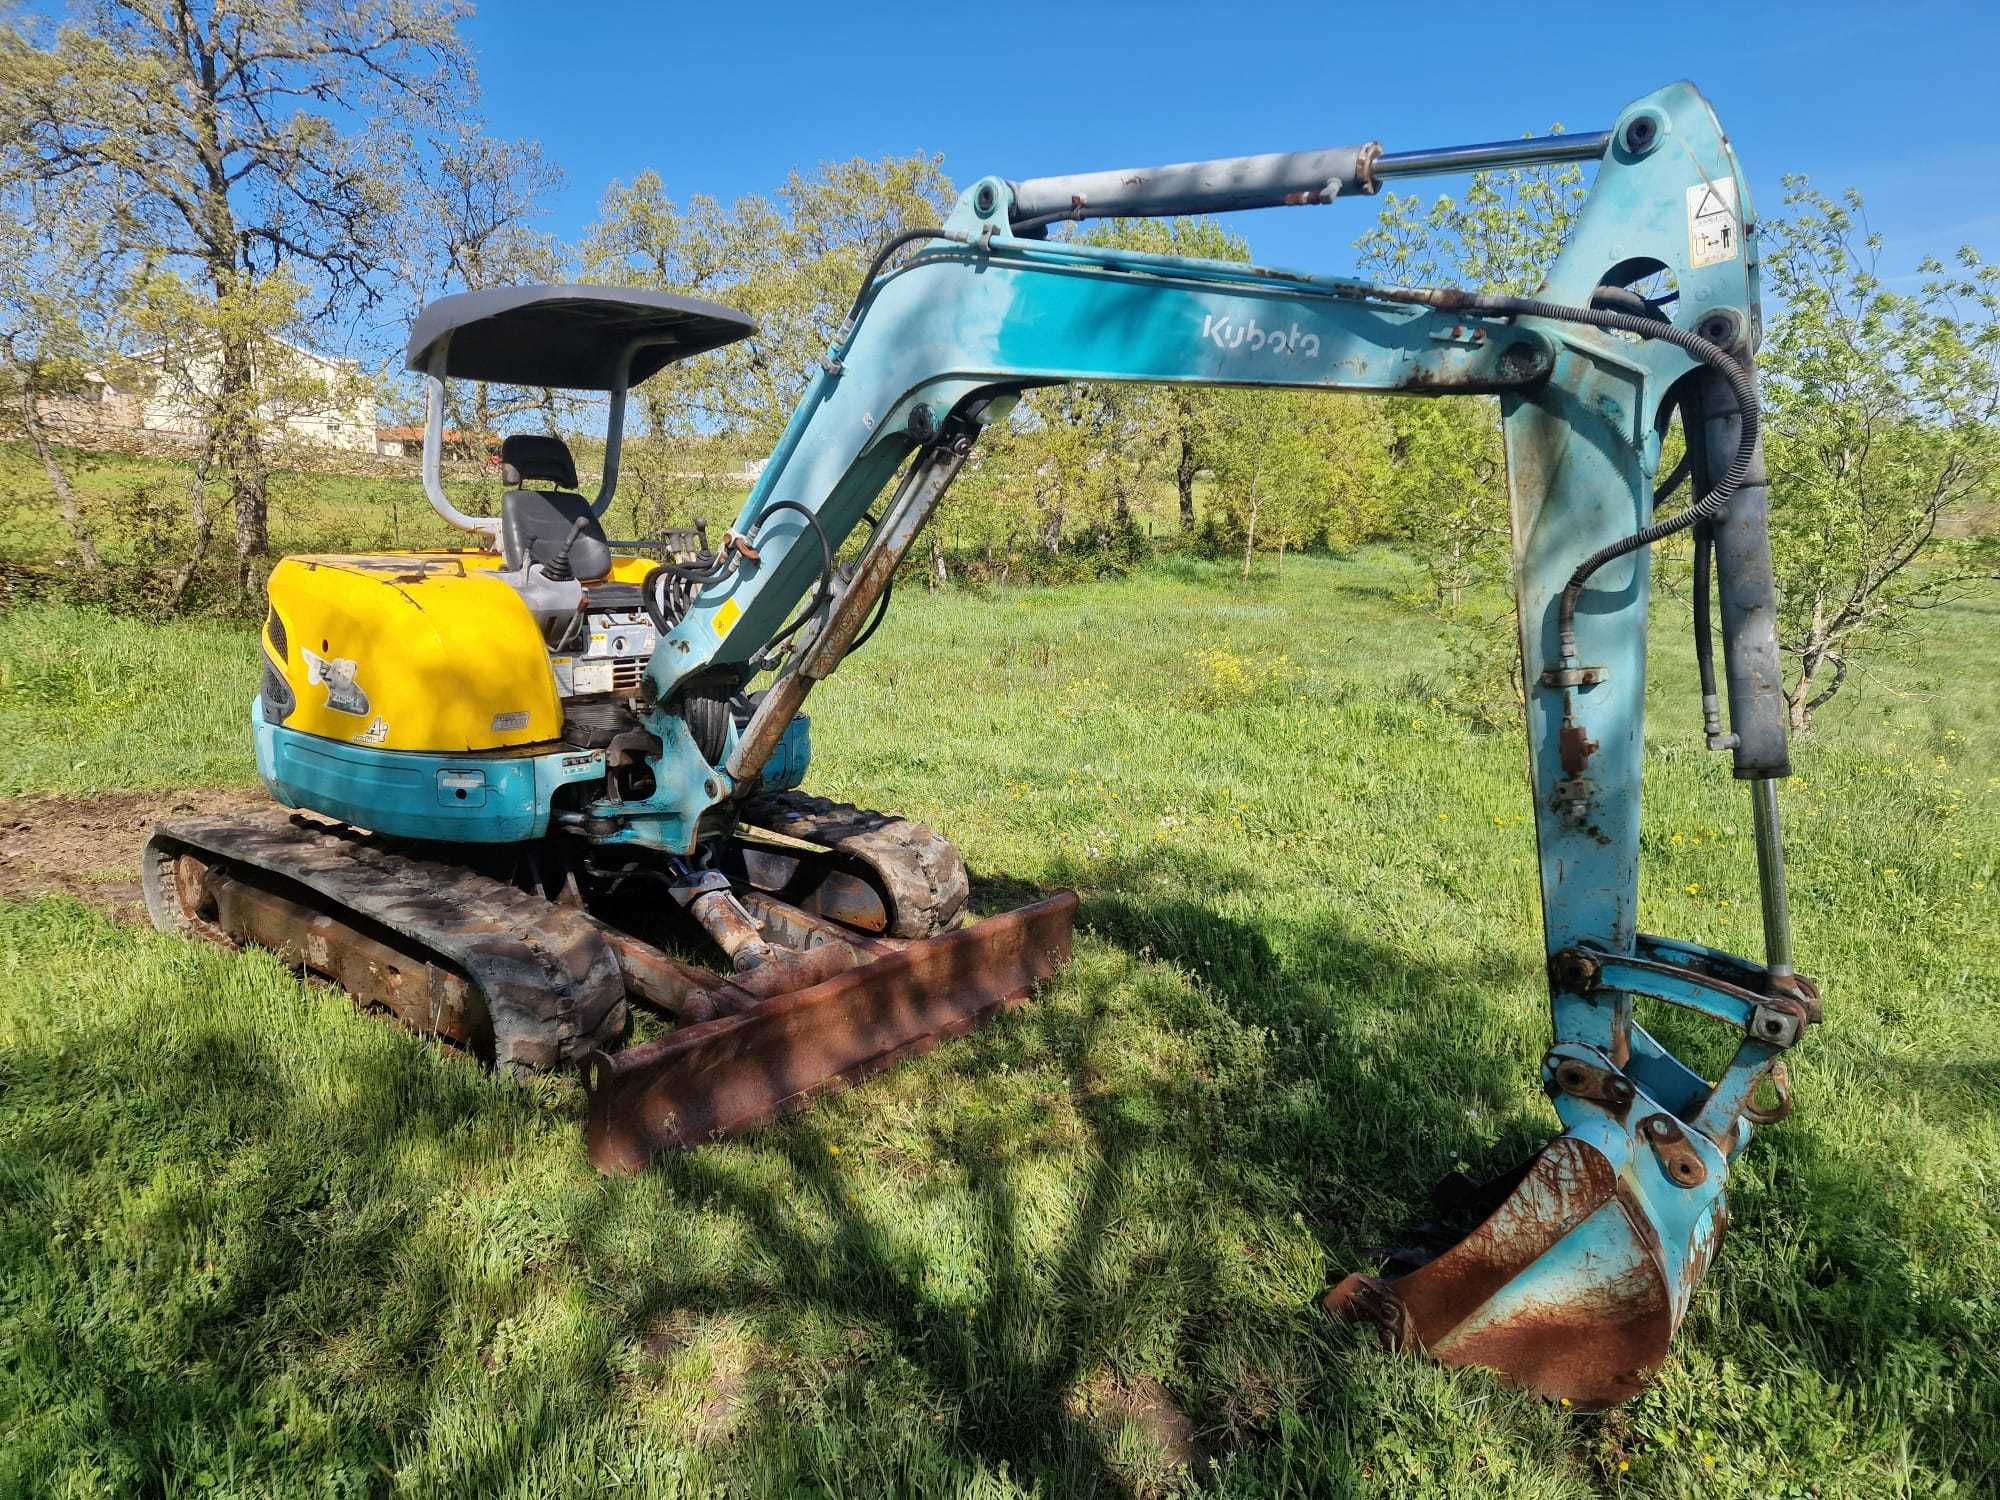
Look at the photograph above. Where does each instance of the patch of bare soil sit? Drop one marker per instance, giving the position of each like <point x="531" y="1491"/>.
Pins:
<point x="88" y="847"/>
<point x="1150" y="1409"/>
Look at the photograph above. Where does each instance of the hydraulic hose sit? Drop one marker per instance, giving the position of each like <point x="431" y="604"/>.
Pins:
<point x="894" y="243"/>
<point x="1707" y="508"/>
<point x="824" y="592"/>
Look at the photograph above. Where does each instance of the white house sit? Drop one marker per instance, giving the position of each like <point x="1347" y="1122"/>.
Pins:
<point x="316" y="399"/>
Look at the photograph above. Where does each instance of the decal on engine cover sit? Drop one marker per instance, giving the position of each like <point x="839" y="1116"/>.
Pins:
<point x="506" y="723"/>
<point x="336" y="675"/>
<point x="374" y="734"/>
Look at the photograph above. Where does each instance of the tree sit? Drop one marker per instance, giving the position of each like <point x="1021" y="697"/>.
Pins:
<point x="792" y="263"/>
<point x="57" y="328"/>
<point x="468" y="225"/>
<point x="1446" y="483"/>
<point x="1181" y="418"/>
<point x="241" y="139"/>
<point x="1882" y="433"/>
<point x="1504" y="236"/>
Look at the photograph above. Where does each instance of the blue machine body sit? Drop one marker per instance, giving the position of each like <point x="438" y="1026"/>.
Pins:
<point x="455" y="797"/>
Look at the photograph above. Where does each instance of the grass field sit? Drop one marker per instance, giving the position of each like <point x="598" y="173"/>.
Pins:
<point x="256" y="1244"/>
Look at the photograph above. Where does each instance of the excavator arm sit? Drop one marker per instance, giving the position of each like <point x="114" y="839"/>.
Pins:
<point x="1577" y="1278"/>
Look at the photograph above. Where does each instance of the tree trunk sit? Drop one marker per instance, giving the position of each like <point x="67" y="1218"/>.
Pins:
<point x="177" y="588"/>
<point x="236" y="444"/>
<point x="1250" y="531"/>
<point x="72" y="513"/>
<point x="1800" y="698"/>
<point x="1184" y="472"/>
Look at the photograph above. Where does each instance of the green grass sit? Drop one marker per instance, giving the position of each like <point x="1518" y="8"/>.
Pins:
<point x="253" y="1243"/>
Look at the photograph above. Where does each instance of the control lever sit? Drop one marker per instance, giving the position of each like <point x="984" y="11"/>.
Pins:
<point x="559" y="569"/>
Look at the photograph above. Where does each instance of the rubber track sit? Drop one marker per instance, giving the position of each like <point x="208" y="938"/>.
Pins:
<point x="552" y="986"/>
<point x="920" y="871"/>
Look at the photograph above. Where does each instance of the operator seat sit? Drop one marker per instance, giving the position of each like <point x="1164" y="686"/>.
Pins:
<point x="535" y="525"/>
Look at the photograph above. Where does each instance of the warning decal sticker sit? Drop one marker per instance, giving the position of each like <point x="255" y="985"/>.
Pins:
<point x="1714" y="231"/>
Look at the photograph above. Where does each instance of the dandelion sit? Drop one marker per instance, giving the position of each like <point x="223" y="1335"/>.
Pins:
<point x="833" y="1150"/>
<point x="1565" y="1401"/>
<point x="1694" y="887"/>
<point x="1891" y="871"/>
<point x="1624" y="1465"/>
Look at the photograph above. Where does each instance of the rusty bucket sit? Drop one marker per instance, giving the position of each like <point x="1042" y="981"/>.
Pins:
<point x="1574" y="1284"/>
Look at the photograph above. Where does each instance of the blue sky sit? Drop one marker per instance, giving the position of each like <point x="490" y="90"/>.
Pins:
<point x="1895" y="100"/>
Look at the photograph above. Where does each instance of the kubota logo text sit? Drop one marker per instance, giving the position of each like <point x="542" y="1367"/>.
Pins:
<point x="1227" y="333"/>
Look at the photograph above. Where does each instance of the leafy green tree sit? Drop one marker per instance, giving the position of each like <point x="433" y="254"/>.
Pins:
<point x="1503" y="236"/>
<point x="1883" y="437"/>
<point x="1445" y="481"/>
<point x="1273" y="465"/>
<point x="792" y="262"/>
<point x="207" y="124"/>
<point x="58" y="328"/>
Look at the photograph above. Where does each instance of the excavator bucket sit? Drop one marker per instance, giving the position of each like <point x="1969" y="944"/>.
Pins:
<point x="720" y="1077"/>
<point x="1574" y="1282"/>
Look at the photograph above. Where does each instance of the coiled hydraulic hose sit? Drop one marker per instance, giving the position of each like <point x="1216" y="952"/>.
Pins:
<point x="1710" y="353"/>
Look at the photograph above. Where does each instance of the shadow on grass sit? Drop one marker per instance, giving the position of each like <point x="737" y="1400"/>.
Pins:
<point x="1325" y="1073"/>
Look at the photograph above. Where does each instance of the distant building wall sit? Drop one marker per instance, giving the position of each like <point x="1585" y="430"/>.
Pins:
<point x="136" y="399"/>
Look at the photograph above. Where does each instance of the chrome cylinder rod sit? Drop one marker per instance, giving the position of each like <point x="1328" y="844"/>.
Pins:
<point x="1529" y="151"/>
<point x="1280" y="179"/>
<point x="1771" y="877"/>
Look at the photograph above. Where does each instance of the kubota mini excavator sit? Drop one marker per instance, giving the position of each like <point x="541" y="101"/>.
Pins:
<point x="524" y="757"/>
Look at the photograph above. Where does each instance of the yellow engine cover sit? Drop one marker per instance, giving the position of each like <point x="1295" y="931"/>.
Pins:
<point x="413" y="651"/>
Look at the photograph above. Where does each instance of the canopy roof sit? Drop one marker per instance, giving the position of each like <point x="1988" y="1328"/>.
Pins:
<point x="571" y="337"/>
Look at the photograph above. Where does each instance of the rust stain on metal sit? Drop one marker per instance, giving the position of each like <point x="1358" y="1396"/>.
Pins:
<point x="1574" y="747"/>
<point x="1595" y="1346"/>
<point x="732" y="1074"/>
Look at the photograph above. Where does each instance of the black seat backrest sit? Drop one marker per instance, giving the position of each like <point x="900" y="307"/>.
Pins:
<point x="535" y="525"/>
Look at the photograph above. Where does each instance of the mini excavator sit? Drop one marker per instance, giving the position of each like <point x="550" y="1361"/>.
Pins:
<point x="534" y="767"/>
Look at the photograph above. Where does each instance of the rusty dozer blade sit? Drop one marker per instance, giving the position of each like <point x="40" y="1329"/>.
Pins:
<point x="727" y="1075"/>
<point x="1574" y="1285"/>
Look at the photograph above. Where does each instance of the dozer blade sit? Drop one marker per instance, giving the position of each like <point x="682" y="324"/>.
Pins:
<point x="1573" y="1286"/>
<point x="720" y="1077"/>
